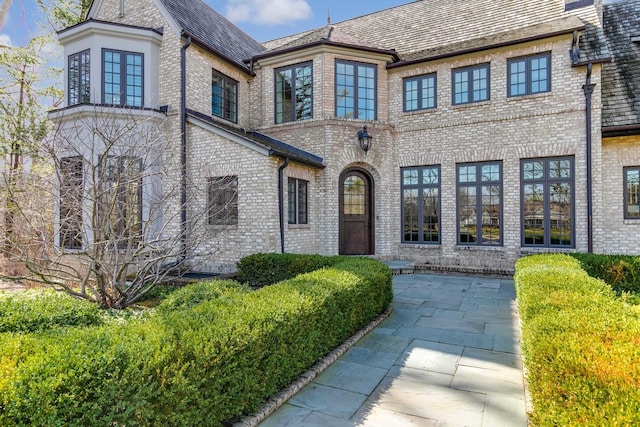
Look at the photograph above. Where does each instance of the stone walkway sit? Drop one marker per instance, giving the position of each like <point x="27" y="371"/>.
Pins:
<point x="448" y="355"/>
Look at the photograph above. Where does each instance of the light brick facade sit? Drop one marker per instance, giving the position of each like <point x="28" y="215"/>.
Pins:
<point x="500" y="129"/>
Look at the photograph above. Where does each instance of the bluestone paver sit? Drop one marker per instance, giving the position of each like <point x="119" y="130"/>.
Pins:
<point x="448" y="355"/>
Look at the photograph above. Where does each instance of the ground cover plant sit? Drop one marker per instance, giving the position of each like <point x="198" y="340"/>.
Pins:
<point x="205" y="356"/>
<point x="581" y="345"/>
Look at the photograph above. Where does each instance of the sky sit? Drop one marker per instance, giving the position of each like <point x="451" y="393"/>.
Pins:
<point x="264" y="20"/>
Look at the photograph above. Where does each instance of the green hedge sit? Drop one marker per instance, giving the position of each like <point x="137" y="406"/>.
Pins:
<point x="40" y="310"/>
<point x="581" y="345"/>
<point x="260" y="270"/>
<point x="189" y="364"/>
<point x="621" y="272"/>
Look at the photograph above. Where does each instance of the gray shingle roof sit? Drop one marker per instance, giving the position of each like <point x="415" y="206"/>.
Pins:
<point x="621" y="77"/>
<point x="214" y="31"/>
<point x="274" y="146"/>
<point x="428" y="26"/>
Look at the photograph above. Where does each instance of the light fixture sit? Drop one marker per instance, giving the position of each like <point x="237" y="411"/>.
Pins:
<point x="364" y="139"/>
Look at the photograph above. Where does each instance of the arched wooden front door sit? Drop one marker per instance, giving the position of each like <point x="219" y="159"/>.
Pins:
<point x="356" y="213"/>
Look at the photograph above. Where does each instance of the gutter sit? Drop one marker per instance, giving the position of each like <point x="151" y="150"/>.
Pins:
<point x="623" y="130"/>
<point x="183" y="149"/>
<point x="281" y="200"/>
<point x="588" y="91"/>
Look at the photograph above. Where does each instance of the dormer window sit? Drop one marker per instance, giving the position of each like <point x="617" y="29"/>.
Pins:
<point x="122" y="78"/>
<point x="79" y="77"/>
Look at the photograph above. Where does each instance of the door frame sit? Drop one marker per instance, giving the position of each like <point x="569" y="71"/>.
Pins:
<point x="370" y="207"/>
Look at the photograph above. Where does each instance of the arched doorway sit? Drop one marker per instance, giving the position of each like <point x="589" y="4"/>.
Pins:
<point x="356" y="213"/>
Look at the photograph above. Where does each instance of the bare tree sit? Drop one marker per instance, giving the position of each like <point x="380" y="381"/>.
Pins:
<point x="118" y="226"/>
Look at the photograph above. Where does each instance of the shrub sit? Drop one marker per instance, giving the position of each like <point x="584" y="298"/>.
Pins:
<point x="189" y="364"/>
<point x="621" y="272"/>
<point x="40" y="310"/>
<point x="580" y="344"/>
<point x="260" y="270"/>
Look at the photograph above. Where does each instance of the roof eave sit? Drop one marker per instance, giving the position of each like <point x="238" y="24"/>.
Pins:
<point x="239" y="66"/>
<point x="389" y="52"/>
<point x="624" y="130"/>
<point x="487" y="47"/>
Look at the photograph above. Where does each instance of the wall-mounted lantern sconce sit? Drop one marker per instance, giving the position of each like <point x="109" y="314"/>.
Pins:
<point x="364" y="139"/>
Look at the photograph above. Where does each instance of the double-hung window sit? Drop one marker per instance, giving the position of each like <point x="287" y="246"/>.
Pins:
<point x="222" y="200"/>
<point x="294" y="93"/>
<point x="297" y="201"/>
<point x="632" y="192"/>
<point x="420" y="92"/>
<point x="547" y="202"/>
<point x="356" y="90"/>
<point x="70" y="199"/>
<point x="78" y="71"/>
<point x="470" y="84"/>
<point x="421" y="204"/>
<point x="480" y="203"/>
<point x="121" y="200"/>
<point x="224" y="97"/>
<point x="529" y="75"/>
<point x="122" y="78"/>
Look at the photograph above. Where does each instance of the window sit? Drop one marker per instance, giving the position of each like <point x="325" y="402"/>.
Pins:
<point x="632" y="192"/>
<point x="122" y="81"/>
<point x="297" y="192"/>
<point x="420" y="92"/>
<point x="79" y="77"/>
<point x="71" y="181"/>
<point x="421" y="204"/>
<point x="471" y="84"/>
<point x="294" y="88"/>
<point x="121" y="200"/>
<point x="355" y="90"/>
<point x="547" y="202"/>
<point x="224" y="97"/>
<point x="529" y="75"/>
<point x="222" y="202"/>
<point x="480" y="204"/>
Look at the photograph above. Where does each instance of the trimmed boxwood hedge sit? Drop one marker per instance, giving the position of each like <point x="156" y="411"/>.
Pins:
<point x="40" y="310"/>
<point x="581" y="345"/>
<point x="186" y="363"/>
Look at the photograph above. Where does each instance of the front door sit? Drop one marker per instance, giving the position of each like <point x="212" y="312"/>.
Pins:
<point x="356" y="213"/>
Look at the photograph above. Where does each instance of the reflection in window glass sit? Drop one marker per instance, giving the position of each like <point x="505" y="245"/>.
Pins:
<point x="547" y="202"/>
<point x="354" y="196"/>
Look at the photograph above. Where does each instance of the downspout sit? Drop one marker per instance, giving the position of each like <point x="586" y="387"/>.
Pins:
<point x="281" y="200"/>
<point x="588" y="91"/>
<point x="183" y="149"/>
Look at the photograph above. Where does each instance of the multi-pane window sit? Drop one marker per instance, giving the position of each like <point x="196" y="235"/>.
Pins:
<point x="470" y="84"/>
<point x="480" y="203"/>
<point x="297" y="199"/>
<point x="122" y="78"/>
<point x="224" y="97"/>
<point x="71" y="184"/>
<point x="547" y="202"/>
<point x="294" y="93"/>
<point x="421" y="204"/>
<point x="529" y="75"/>
<point x="632" y="192"/>
<point x="79" y="77"/>
<point x="355" y="90"/>
<point x="222" y="200"/>
<point x="420" y="92"/>
<point x="120" y="207"/>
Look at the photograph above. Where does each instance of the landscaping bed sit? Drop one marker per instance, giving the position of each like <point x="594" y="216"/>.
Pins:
<point x="581" y="343"/>
<point x="208" y="354"/>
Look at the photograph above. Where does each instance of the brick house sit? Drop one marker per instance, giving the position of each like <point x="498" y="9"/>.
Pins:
<point x="482" y="115"/>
